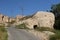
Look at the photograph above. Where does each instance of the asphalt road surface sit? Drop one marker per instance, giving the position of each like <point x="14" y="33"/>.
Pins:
<point x="15" y="34"/>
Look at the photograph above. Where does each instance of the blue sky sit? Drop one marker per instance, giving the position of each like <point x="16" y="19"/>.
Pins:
<point x="14" y="7"/>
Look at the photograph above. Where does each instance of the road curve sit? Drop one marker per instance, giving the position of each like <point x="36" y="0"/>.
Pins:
<point x="15" y="34"/>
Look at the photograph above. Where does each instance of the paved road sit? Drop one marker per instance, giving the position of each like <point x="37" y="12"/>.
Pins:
<point x="15" y="34"/>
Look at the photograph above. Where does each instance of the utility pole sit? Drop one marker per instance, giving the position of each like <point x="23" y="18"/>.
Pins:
<point x="12" y="13"/>
<point x="0" y="10"/>
<point x="22" y="9"/>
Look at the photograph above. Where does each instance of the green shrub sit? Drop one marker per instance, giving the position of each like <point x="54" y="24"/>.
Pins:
<point x="44" y="29"/>
<point x="56" y="36"/>
<point x="2" y="25"/>
<point x="8" y="25"/>
<point x="22" y="26"/>
<point x="2" y="29"/>
<point x="52" y="37"/>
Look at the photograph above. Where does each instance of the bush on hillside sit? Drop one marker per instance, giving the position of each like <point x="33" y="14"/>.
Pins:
<point x="22" y="26"/>
<point x="44" y="29"/>
<point x="56" y="36"/>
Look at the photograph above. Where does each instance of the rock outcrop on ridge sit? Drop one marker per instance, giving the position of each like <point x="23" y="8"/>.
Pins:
<point x="39" y="19"/>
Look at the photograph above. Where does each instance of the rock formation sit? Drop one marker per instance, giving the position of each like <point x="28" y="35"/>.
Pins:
<point x="44" y="19"/>
<point x="5" y="19"/>
<point x="1" y="18"/>
<point x="30" y="23"/>
<point x="40" y="19"/>
<point x="18" y="17"/>
<point x="11" y="19"/>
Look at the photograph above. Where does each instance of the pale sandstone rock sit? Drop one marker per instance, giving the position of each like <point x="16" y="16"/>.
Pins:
<point x="18" y="17"/>
<point x="44" y="19"/>
<point x="1" y="18"/>
<point x="11" y="19"/>
<point x="30" y="23"/>
<point x="41" y="19"/>
<point x="48" y="33"/>
<point x="5" y="19"/>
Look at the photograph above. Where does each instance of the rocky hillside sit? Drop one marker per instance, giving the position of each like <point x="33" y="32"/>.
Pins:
<point x="41" y="23"/>
<point x="5" y="19"/>
<point x="40" y="19"/>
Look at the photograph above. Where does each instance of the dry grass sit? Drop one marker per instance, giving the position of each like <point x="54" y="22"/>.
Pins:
<point x="3" y="33"/>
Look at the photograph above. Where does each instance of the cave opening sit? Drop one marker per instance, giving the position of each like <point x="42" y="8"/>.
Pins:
<point x="35" y="26"/>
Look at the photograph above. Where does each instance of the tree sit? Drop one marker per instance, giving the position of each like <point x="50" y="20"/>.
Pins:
<point x="56" y="10"/>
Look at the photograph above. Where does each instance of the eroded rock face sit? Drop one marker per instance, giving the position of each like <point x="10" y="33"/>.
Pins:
<point x="5" y="19"/>
<point x="1" y="19"/>
<point x="11" y="19"/>
<point x="41" y="19"/>
<point x="18" y="17"/>
<point x="44" y="19"/>
<point x="30" y="23"/>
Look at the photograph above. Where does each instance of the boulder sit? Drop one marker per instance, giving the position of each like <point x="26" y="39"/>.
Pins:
<point x="44" y="19"/>
<point x="41" y="19"/>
